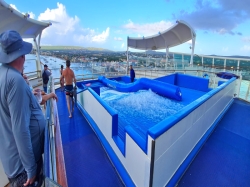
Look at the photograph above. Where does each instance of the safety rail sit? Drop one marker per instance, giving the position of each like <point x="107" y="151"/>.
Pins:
<point x="243" y="85"/>
<point x="90" y="76"/>
<point x="196" y="70"/>
<point x="55" y="172"/>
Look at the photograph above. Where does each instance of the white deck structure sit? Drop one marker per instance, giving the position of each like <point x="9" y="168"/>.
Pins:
<point x="179" y="33"/>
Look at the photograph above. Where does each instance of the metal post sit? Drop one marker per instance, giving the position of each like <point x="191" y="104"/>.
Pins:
<point x="193" y="45"/>
<point x="38" y="65"/>
<point x="238" y="67"/>
<point x="167" y="52"/>
<point x="127" y="58"/>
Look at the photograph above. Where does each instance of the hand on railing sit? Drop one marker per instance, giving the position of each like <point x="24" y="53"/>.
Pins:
<point x="46" y="97"/>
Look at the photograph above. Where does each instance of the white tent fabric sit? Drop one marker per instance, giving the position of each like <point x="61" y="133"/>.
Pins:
<point x="11" y="19"/>
<point x="14" y="20"/>
<point x="179" y="33"/>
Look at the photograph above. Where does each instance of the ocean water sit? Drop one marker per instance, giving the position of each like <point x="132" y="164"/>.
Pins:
<point x="141" y="110"/>
<point x="54" y="64"/>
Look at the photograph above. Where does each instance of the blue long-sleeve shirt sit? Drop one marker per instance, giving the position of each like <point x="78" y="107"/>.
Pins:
<point x="21" y="124"/>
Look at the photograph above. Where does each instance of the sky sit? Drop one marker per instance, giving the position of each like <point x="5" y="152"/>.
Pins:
<point x="222" y="26"/>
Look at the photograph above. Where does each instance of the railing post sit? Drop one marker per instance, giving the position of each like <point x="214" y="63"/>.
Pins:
<point x="248" y="90"/>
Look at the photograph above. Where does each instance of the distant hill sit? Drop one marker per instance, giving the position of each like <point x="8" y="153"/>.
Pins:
<point x="72" y="48"/>
<point x="233" y="56"/>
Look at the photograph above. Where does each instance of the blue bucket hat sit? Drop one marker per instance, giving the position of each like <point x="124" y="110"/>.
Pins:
<point x="12" y="46"/>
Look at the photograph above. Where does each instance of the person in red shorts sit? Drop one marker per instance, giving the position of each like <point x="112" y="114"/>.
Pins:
<point x="69" y="77"/>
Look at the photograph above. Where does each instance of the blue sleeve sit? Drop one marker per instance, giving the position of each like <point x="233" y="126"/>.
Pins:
<point x="19" y="106"/>
<point x="48" y="72"/>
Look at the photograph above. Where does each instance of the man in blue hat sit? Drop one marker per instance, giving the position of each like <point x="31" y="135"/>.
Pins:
<point x="21" y="119"/>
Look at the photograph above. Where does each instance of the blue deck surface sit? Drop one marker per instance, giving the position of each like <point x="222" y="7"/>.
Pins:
<point x="224" y="160"/>
<point x="86" y="161"/>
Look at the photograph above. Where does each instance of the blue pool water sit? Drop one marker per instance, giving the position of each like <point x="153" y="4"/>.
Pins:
<point x="141" y="110"/>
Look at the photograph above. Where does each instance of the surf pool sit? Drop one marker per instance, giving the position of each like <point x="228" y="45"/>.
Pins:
<point x="141" y="110"/>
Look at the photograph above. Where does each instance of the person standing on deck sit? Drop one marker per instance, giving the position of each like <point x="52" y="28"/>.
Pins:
<point x="22" y="121"/>
<point x="132" y="73"/>
<point x="62" y="80"/>
<point x="45" y="74"/>
<point x="69" y="77"/>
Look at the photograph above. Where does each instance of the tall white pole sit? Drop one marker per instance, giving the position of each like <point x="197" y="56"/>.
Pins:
<point x="127" y="58"/>
<point x="192" y="53"/>
<point x="167" y="53"/>
<point x="37" y="46"/>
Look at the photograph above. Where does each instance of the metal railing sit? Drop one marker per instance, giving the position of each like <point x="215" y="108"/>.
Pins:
<point x="243" y="86"/>
<point x="53" y="151"/>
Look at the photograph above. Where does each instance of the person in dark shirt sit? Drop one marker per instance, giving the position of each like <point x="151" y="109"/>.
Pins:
<point x="61" y="80"/>
<point x="48" y="72"/>
<point x="132" y="73"/>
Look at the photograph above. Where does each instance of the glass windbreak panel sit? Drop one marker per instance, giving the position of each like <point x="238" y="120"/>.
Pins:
<point x="244" y="67"/>
<point x="244" y="64"/>
<point x="219" y="63"/>
<point x="207" y="61"/>
<point x="177" y="57"/>
<point x="197" y="60"/>
<point x="187" y="58"/>
<point x="231" y="64"/>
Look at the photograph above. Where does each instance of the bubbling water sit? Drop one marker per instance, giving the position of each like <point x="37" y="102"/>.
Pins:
<point x="141" y="110"/>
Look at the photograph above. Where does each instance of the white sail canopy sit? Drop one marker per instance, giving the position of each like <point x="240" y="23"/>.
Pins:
<point x="11" y="19"/>
<point x="179" y="33"/>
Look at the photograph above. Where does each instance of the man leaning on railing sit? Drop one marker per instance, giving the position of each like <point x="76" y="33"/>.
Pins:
<point x="22" y="121"/>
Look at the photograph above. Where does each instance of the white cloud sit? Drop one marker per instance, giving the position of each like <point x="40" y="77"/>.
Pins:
<point x="118" y="38"/>
<point x="246" y="39"/>
<point x="222" y="31"/>
<point x="220" y="16"/>
<point x="245" y="48"/>
<point x="64" y="24"/>
<point x="14" y="6"/>
<point x="148" y="28"/>
<point x="101" y="37"/>
<point x="122" y="46"/>
<point x="32" y="15"/>
<point x="66" y="29"/>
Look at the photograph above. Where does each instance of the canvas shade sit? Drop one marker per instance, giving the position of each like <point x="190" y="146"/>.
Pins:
<point x="179" y="33"/>
<point x="11" y="19"/>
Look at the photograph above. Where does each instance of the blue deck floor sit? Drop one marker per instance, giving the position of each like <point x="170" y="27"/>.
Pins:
<point x="224" y="160"/>
<point x="86" y="161"/>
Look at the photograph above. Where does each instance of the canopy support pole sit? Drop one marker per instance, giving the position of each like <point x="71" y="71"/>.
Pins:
<point x="167" y="53"/>
<point x="37" y="45"/>
<point x="192" y="53"/>
<point x="127" y="58"/>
